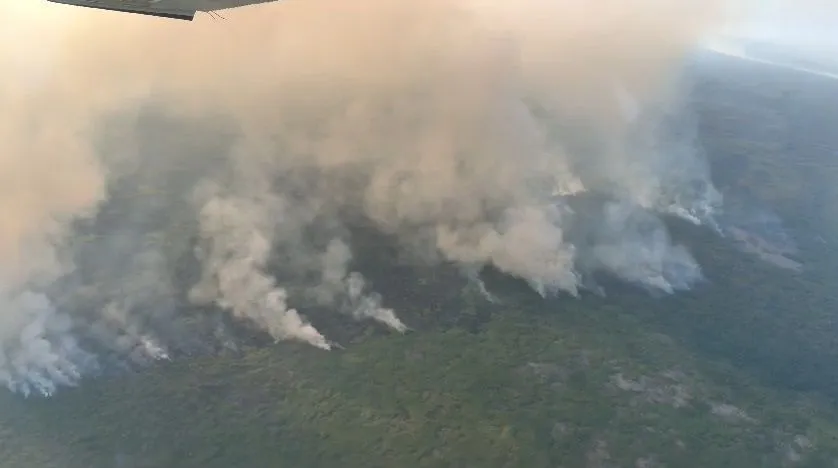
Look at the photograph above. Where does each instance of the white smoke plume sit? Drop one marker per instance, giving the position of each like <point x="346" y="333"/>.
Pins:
<point x="465" y="128"/>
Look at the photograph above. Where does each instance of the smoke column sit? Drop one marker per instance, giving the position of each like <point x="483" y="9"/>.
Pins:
<point x="472" y="130"/>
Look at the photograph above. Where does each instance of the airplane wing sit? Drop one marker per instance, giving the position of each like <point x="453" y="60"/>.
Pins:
<point x="175" y="9"/>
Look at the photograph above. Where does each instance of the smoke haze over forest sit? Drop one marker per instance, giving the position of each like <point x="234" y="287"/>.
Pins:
<point x="545" y="139"/>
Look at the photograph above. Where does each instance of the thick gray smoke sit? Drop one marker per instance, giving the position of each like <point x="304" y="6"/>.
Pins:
<point x="539" y="137"/>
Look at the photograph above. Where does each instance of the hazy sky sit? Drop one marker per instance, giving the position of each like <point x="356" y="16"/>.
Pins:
<point x="808" y="23"/>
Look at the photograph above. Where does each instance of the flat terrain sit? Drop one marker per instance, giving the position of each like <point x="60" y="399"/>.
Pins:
<point x="739" y="372"/>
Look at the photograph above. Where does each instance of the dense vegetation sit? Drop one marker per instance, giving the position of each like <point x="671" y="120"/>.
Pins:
<point x="739" y="372"/>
